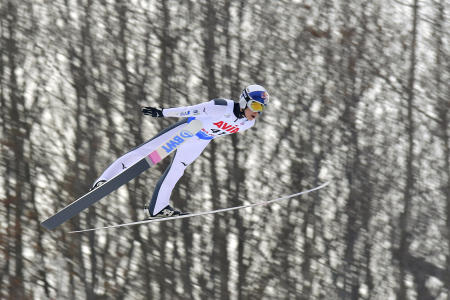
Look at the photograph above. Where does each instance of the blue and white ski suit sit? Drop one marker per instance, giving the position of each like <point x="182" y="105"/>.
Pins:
<point x="219" y="117"/>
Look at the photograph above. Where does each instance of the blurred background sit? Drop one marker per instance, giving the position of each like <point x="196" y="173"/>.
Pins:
<point x="360" y="97"/>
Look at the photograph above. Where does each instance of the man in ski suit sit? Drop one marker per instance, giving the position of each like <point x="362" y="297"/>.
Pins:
<point x="218" y="116"/>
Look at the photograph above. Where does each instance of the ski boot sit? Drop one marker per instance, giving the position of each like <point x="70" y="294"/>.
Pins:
<point x="166" y="212"/>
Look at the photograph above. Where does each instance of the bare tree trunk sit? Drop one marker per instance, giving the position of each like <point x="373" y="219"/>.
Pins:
<point x="353" y="166"/>
<point x="238" y="174"/>
<point x="219" y="259"/>
<point x="4" y="243"/>
<point x="443" y="111"/>
<point x="77" y="180"/>
<point x="404" y="221"/>
<point x="167" y="49"/>
<point x="15" y="137"/>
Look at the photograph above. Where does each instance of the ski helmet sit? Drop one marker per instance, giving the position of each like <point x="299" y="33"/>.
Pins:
<point x="254" y="97"/>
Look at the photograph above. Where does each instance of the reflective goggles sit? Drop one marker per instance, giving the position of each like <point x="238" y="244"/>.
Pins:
<point x="255" y="106"/>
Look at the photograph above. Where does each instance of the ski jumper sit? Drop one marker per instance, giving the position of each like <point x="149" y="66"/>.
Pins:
<point x="219" y="117"/>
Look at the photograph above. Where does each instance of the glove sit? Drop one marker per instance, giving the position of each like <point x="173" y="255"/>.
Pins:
<point x="151" y="111"/>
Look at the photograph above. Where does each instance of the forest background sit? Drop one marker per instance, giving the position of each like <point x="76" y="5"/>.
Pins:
<point x="360" y="97"/>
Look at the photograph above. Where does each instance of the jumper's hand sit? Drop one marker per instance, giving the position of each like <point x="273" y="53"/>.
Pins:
<point x="151" y="111"/>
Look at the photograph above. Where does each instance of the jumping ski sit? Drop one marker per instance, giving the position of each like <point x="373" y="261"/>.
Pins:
<point x="206" y="212"/>
<point x="128" y="174"/>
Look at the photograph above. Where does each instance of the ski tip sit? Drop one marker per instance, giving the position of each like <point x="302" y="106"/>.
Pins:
<point x="325" y="183"/>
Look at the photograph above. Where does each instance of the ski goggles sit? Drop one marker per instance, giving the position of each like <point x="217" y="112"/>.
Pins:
<point x="255" y="106"/>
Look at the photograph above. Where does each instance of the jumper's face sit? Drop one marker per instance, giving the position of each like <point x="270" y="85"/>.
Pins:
<point x="250" y="115"/>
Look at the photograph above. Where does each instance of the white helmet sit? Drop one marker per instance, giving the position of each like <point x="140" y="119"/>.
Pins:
<point x="255" y="97"/>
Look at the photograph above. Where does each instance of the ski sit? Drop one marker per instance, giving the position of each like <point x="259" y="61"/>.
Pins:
<point x="128" y="174"/>
<point x="205" y="212"/>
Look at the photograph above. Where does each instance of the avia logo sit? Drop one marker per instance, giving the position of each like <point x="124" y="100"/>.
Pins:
<point x="177" y="140"/>
<point x="227" y="127"/>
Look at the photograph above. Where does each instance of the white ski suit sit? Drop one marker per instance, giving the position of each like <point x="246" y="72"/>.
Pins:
<point x="219" y="117"/>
